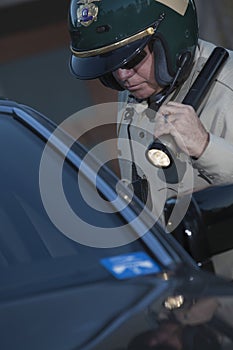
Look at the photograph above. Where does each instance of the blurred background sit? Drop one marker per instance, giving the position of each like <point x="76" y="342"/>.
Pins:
<point x="34" y="59"/>
<point x="34" y="54"/>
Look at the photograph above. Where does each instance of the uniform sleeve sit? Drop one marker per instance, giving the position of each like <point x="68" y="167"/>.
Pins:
<point x="216" y="163"/>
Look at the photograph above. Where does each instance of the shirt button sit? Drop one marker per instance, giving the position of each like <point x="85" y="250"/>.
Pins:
<point x="141" y="134"/>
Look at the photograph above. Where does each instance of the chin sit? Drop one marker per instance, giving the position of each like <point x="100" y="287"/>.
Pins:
<point x="140" y="96"/>
<point x="143" y="94"/>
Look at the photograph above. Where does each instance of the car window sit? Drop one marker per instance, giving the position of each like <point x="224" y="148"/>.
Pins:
<point x="31" y="242"/>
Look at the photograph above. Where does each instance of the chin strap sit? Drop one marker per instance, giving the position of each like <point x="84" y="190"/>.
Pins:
<point x="155" y="101"/>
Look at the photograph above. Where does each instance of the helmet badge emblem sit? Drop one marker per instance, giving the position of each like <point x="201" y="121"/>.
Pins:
<point x="87" y="12"/>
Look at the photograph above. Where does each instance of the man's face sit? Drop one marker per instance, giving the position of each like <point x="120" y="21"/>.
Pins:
<point x="140" y="80"/>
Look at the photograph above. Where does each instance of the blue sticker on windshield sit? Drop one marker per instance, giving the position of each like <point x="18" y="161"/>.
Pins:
<point x="130" y="265"/>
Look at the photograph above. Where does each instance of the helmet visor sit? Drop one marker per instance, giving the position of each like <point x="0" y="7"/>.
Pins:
<point x="96" y="66"/>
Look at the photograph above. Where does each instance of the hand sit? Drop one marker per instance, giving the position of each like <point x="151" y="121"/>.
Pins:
<point x="183" y="124"/>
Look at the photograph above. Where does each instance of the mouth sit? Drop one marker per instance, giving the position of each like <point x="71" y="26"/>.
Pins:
<point x="132" y="87"/>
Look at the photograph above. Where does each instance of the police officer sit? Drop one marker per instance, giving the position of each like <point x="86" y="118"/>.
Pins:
<point x="149" y="51"/>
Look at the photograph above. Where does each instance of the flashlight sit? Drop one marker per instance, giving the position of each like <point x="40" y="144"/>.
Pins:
<point x="163" y="152"/>
<point x="165" y="155"/>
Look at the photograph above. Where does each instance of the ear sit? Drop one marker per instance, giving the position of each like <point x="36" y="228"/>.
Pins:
<point x="109" y="81"/>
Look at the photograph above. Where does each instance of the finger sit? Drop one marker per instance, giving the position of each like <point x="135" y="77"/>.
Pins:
<point x="168" y="110"/>
<point x="162" y="127"/>
<point x="176" y="108"/>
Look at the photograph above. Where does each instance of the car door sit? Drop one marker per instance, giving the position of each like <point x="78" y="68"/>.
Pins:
<point x="82" y="265"/>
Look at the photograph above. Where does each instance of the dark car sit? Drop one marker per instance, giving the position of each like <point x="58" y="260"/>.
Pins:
<point x="83" y="265"/>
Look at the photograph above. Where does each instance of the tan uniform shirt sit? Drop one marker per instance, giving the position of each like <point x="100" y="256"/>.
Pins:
<point x="215" y="166"/>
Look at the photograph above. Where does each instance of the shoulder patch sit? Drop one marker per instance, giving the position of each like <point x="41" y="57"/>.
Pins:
<point x="180" y="6"/>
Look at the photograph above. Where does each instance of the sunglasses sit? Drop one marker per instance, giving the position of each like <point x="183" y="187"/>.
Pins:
<point x="134" y="61"/>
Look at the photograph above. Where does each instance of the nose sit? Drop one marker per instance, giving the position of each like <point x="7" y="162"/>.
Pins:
<point x="124" y="74"/>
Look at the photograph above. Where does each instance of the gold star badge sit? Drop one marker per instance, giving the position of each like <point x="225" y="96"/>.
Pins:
<point x="87" y="12"/>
